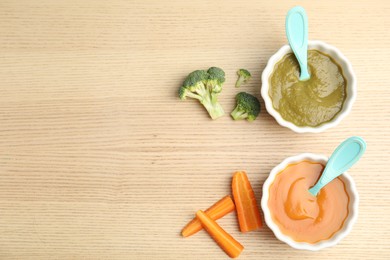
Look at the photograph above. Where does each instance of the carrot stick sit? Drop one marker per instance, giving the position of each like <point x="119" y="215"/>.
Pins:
<point x="216" y="211"/>
<point x="232" y="247"/>
<point x="246" y="206"/>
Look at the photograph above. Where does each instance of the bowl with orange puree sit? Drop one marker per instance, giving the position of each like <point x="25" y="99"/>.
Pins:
<point x="300" y="219"/>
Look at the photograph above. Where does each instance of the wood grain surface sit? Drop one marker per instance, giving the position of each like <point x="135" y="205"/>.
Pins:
<point x="100" y="160"/>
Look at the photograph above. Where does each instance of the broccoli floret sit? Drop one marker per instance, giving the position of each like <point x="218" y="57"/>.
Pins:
<point x="243" y="77"/>
<point x="248" y="107"/>
<point x="205" y="86"/>
<point x="194" y="85"/>
<point x="216" y="79"/>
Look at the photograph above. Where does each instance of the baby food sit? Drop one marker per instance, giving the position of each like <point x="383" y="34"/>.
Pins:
<point x="312" y="102"/>
<point x="300" y="215"/>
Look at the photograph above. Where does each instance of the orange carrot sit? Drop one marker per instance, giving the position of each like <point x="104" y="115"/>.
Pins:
<point x="246" y="206"/>
<point x="232" y="247"/>
<point x="216" y="211"/>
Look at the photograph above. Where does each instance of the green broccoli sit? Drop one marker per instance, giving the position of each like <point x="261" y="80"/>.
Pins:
<point x="205" y="87"/>
<point x="248" y="107"/>
<point x="243" y="77"/>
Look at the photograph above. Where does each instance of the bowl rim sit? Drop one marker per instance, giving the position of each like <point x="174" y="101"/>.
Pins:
<point x="339" y="235"/>
<point x="347" y="71"/>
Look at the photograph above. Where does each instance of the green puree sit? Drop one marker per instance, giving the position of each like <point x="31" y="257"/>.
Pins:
<point x="311" y="102"/>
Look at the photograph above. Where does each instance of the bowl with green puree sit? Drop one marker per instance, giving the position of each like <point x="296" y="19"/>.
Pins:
<point x="314" y="105"/>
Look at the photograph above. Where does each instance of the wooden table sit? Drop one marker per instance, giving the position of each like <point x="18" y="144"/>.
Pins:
<point x="99" y="158"/>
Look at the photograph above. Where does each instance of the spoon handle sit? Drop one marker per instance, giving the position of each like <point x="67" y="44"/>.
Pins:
<point x="343" y="158"/>
<point x="297" y="35"/>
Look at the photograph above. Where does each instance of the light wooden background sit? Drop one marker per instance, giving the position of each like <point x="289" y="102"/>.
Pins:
<point x="100" y="160"/>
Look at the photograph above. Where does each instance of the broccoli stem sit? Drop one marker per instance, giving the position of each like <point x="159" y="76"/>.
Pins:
<point x="238" y="114"/>
<point x="212" y="106"/>
<point x="239" y="82"/>
<point x="193" y="95"/>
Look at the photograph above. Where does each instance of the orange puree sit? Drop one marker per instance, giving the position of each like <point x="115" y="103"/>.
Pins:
<point x="300" y="215"/>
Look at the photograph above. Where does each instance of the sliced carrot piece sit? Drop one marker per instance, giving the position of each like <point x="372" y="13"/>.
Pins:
<point x="232" y="247"/>
<point x="246" y="206"/>
<point x="216" y="211"/>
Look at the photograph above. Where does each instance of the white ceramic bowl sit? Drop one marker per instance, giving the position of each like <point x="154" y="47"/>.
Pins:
<point x="352" y="207"/>
<point x="347" y="72"/>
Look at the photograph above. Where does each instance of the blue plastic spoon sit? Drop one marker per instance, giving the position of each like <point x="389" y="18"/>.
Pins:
<point x="345" y="155"/>
<point x="297" y="35"/>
